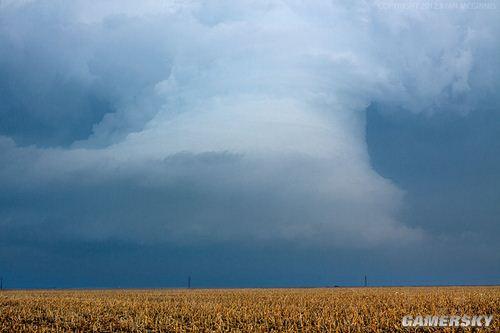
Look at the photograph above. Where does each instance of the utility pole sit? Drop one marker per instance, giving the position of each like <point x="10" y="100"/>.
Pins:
<point x="189" y="282"/>
<point x="366" y="282"/>
<point x="1" y="282"/>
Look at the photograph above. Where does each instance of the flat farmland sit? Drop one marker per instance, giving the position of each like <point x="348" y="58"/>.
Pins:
<point x="242" y="310"/>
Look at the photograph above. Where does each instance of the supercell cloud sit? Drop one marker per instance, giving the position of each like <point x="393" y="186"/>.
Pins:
<point x="187" y="122"/>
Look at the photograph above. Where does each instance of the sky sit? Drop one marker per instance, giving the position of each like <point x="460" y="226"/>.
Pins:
<point x="248" y="144"/>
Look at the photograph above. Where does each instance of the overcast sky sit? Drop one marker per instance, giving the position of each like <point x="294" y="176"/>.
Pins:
<point x="248" y="143"/>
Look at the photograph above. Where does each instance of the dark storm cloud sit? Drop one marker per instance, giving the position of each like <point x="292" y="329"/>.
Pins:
<point x="61" y="77"/>
<point x="45" y="96"/>
<point x="175" y="134"/>
<point x="188" y="198"/>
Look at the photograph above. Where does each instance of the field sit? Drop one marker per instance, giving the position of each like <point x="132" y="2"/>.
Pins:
<point x="245" y="310"/>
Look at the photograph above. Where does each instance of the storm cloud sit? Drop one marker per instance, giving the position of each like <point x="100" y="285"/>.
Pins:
<point x="190" y="123"/>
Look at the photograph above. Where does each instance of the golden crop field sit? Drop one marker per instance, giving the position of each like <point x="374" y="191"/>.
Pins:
<point x="241" y="310"/>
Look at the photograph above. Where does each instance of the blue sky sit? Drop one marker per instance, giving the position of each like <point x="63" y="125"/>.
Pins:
<point x="258" y="143"/>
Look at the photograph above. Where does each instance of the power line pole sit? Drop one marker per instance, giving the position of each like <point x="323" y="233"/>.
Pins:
<point x="1" y="282"/>
<point x="366" y="282"/>
<point x="189" y="282"/>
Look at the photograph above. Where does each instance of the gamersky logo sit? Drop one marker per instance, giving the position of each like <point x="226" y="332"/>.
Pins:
<point x="444" y="321"/>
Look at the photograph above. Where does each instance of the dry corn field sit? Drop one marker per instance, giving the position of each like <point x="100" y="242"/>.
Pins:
<point x="241" y="310"/>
